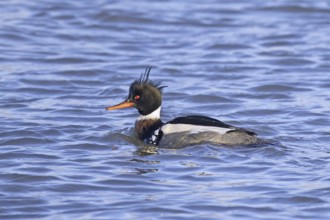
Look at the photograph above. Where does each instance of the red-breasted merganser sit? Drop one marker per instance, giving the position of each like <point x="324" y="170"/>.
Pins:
<point x="146" y="97"/>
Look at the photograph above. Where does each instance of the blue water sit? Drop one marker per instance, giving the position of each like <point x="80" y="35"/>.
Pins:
<point x="260" y="65"/>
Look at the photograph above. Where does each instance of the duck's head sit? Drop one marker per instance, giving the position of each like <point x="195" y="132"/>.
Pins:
<point x="144" y="95"/>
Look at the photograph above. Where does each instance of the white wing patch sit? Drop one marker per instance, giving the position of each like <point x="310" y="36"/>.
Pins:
<point x="175" y="128"/>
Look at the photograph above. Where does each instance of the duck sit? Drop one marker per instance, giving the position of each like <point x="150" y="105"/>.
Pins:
<point x="145" y="95"/>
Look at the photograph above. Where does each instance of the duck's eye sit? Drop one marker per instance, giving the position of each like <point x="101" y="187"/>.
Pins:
<point x="137" y="97"/>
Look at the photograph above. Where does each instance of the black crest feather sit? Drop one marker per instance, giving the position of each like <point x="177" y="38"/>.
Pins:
<point x="144" y="80"/>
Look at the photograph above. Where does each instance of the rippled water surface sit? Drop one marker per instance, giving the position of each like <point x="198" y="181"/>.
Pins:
<point x="261" y="65"/>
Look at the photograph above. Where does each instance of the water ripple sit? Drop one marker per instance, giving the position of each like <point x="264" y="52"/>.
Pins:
<point x="258" y="65"/>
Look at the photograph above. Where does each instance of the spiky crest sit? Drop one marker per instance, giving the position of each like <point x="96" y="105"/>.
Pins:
<point x="144" y="80"/>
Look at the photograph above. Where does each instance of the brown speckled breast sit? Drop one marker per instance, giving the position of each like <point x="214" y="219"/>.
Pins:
<point x="145" y="128"/>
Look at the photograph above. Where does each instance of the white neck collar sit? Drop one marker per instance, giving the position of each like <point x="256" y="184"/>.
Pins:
<point x="153" y="115"/>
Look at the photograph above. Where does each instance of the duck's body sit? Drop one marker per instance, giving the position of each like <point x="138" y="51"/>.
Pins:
<point x="194" y="129"/>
